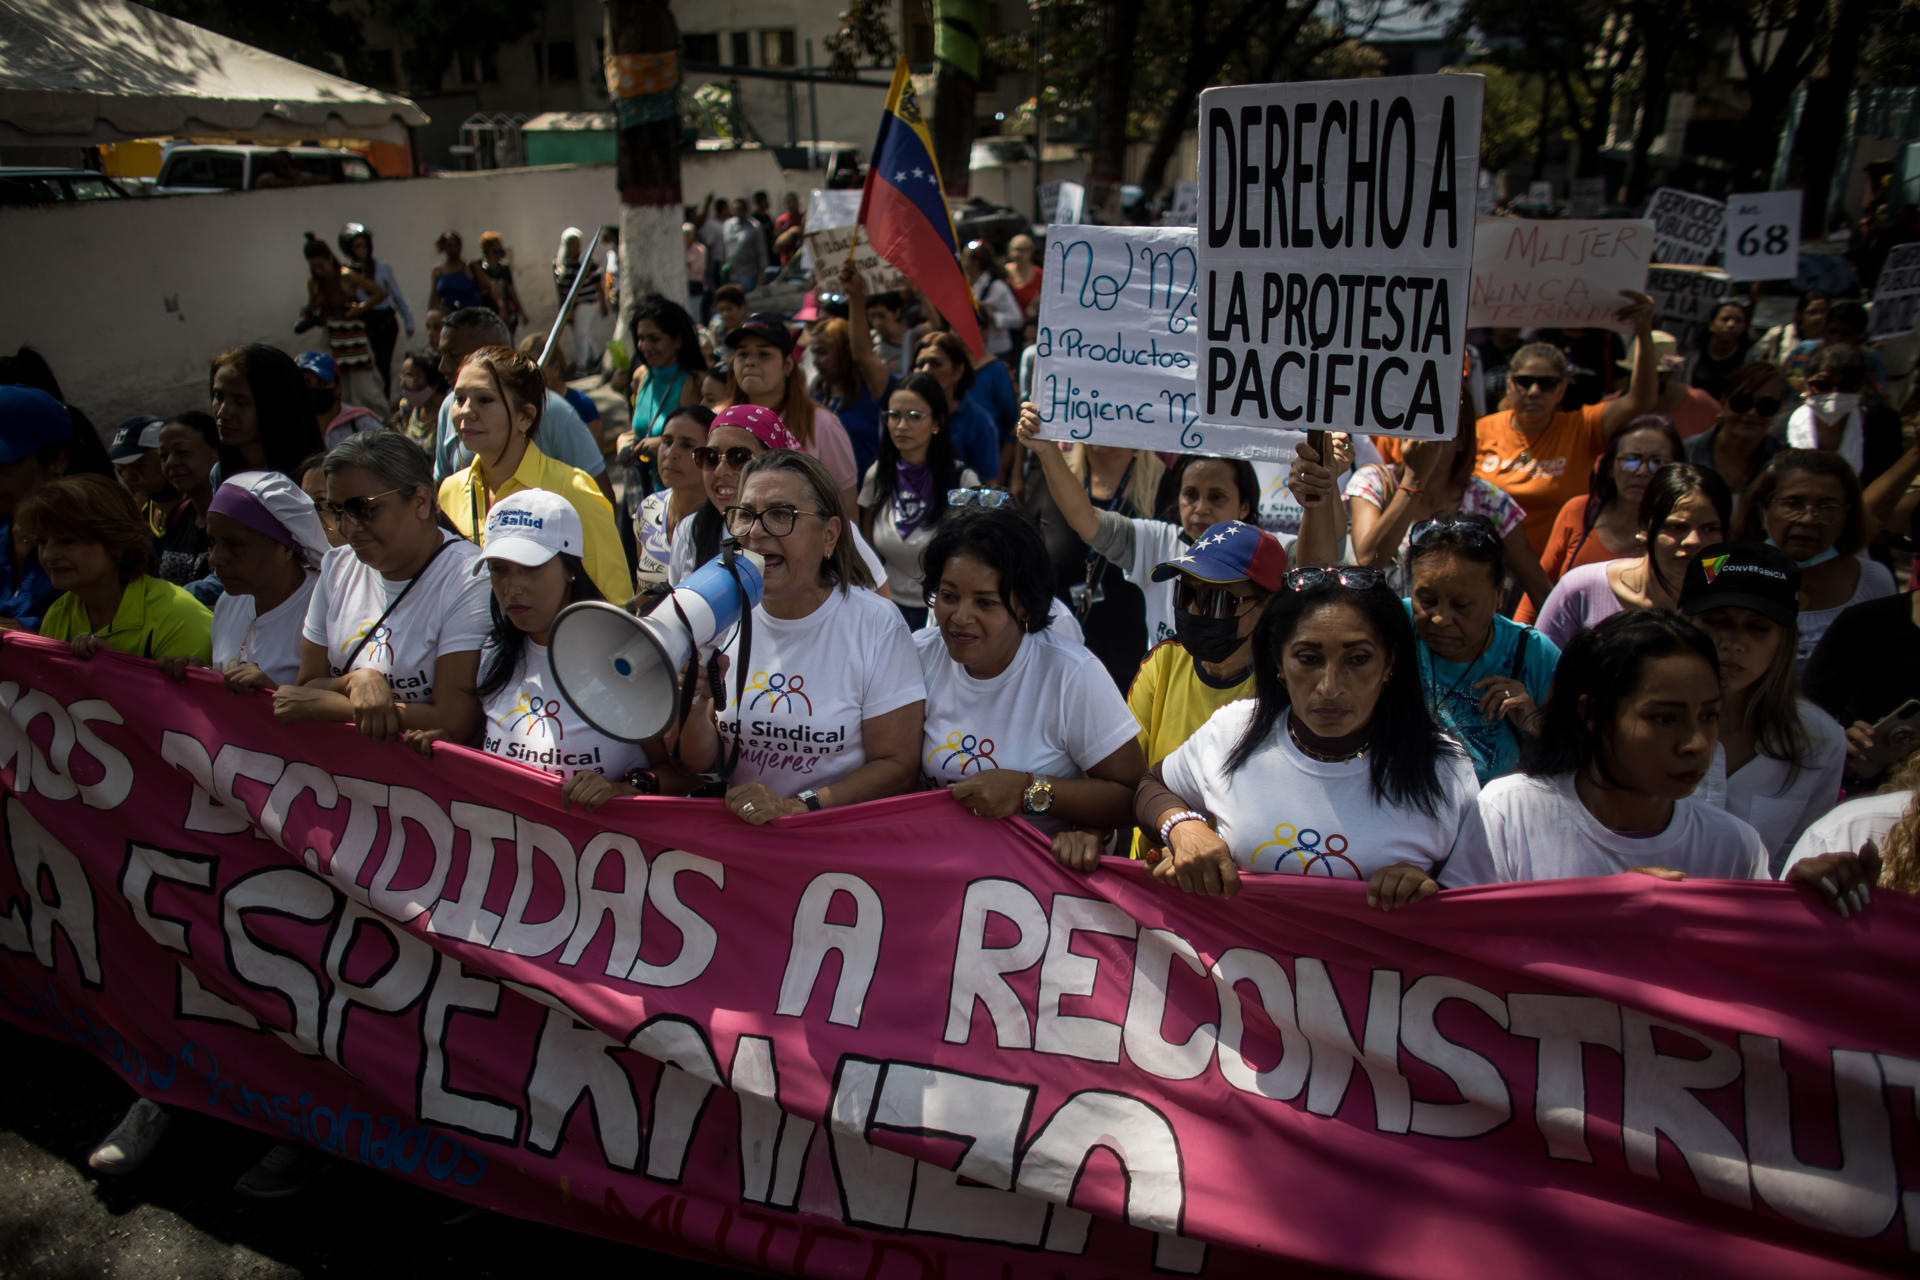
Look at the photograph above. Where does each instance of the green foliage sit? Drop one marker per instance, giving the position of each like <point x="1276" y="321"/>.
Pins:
<point x="1509" y="115"/>
<point x="863" y="38"/>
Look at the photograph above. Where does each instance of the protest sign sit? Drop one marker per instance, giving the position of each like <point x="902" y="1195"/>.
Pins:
<point x="1683" y="300"/>
<point x="1115" y="352"/>
<point x="792" y="1047"/>
<point x="1896" y="296"/>
<point x="1686" y="227"/>
<point x="1063" y="202"/>
<point x="828" y="209"/>
<point x="1184" y="211"/>
<point x="1336" y="247"/>
<point x="1763" y="236"/>
<point x="1556" y="273"/>
<point x="1586" y="197"/>
<point x="830" y="247"/>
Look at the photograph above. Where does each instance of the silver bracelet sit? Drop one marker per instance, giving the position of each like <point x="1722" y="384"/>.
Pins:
<point x="1174" y="820"/>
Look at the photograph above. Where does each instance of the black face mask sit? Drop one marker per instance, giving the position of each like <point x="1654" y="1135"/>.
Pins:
<point x="321" y="398"/>
<point x="1208" y="639"/>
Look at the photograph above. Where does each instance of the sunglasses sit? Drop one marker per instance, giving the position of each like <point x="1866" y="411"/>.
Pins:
<point x="1765" y="406"/>
<point x="1350" y="576"/>
<point x="1207" y="601"/>
<point x="1635" y="463"/>
<point x="1472" y="532"/>
<point x="978" y="498"/>
<point x="358" y="510"/>
<point x="1532" y="382"/>
<point x="709" y="457"/>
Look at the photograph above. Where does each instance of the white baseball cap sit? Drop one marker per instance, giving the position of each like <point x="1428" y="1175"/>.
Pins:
<point x="531" y="527"/>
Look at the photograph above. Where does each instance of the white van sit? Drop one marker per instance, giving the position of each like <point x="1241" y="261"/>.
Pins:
<point x="199" y="169"/>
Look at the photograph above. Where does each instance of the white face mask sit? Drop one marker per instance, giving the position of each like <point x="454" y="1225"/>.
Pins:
<point x="1829" y="406"/>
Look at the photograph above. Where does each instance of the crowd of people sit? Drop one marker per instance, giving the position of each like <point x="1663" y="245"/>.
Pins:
<point x="1639" y="616"/>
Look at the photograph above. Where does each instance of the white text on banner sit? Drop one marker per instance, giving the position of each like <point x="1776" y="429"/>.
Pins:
<point x="1547" y="274"/>
<point x="1336" y="250"/>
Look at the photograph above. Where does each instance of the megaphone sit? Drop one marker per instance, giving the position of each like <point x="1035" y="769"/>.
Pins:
<point x="621" y="673"/>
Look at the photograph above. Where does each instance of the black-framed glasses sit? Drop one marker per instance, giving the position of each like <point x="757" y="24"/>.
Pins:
<point x="358" y="510"/>
<point x="1473" y="533"/>
<point x="777" y="521"/>
<point x="1352" y="576"/>
<point x="978" y="498"/>
<point x="1533" y="382"/>
<point x="709" y="457"/>
<point x="915" y="416"/>
<point x="1207" y="600"/>
<point x="1635" y="463"/>
<point x="1765" y="406"/>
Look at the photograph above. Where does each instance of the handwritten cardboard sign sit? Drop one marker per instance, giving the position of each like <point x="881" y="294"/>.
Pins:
<point x="1556" y="273"/>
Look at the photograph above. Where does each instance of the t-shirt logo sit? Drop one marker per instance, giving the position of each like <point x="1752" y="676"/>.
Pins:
<point x="379" y="647"/>
<point x="778" y="689"/>
<point x="972" y="752"/>
<point x="538" y="713"/>
<point x="1310" y="847"/>
<point x="1710" y="566"/>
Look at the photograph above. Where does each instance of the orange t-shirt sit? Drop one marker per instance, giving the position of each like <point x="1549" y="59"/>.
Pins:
<point x="1541" y="473"/>
<point x="1561" y="554"/>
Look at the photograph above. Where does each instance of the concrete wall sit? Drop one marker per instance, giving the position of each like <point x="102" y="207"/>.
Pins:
<point x="130" y="299"/>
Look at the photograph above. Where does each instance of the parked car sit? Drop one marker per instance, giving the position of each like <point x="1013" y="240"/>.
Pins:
<point x="995" y="223"/>
<point x="200" y="169"/>
<point x="22" y="185"/>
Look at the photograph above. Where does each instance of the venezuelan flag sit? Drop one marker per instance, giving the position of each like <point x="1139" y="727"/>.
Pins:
<point x="904" y="209"/>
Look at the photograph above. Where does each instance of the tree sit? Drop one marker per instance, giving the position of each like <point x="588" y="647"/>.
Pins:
<point x="643" y="77"/>
<point x="863" y="36"/>
<point x="434" y="31"/>
<point x="958" y="25"/>
<point x="1778" y="43"/>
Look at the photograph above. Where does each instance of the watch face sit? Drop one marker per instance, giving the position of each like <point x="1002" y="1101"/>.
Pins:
<point x="1040" y="797"/>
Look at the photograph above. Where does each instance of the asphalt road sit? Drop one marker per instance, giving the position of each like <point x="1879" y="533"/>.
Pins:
<point x="179" y="1218"/>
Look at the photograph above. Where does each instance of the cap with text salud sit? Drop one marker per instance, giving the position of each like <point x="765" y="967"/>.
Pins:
<point x="531" y="527"/>
<point x="1229" y="552"/>
<point x="1743" y="575"/>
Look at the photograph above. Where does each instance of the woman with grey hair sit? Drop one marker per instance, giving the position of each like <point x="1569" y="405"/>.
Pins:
<point x="393" y="631"/>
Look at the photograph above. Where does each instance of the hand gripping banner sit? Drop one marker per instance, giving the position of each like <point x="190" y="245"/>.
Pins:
<point x="899" y="1041"/>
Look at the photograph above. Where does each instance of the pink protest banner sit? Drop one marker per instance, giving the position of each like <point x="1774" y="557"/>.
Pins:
<point x="898" y="1041"/>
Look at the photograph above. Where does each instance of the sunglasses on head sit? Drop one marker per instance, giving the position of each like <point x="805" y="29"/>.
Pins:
<point x="1765" y="406"/>
<point x="1532" y="382"/>
<point x="1207" y="600"/>
<point x="978" y="497"/>
<point x="1472" y="532"/>
<point x="1352" y="577"/>
<point x="709" y="457"/>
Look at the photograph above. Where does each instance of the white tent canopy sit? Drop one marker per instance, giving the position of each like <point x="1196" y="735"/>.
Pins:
<point x="74" y="72"/>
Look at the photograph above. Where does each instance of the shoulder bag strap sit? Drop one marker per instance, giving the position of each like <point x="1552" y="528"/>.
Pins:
<point x="388" y="611"/>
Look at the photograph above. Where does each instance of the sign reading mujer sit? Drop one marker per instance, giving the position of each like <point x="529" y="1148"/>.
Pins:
<point x="793" y="1047"/>
<point x="1336" y="246"/>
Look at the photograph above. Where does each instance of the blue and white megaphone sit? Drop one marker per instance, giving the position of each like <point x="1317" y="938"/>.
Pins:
<point x="622" y="673"/>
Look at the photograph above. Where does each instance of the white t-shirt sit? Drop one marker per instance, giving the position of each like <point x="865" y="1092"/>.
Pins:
<point x="530" y="723"/>
<point x="902" y="555"/>
<point x="1772" y="798"/>
<point x="1527" y="828"/>
<point x="1053" y="712"/>
<point x="447" y="613"/>
<point x="681" y="565"/>
<point x="1875" y="581"/>
<point x="1287" y="812"/>
<point x="1064" y="624"/>
<point x="270" y="641"/>
<point x="813" y="680"/>
<point x="1845" y="828"/>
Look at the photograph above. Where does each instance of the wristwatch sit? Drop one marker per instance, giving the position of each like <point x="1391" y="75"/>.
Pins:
<point x="1039" y="796"/>
<point x="809" y="798"/>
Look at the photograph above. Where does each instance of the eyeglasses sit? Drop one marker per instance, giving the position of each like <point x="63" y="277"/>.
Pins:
<point x="1351" y="576"/>
<point x="1795" y="508"/>
<point x="915" y="416"/>
<point x="777" y="521"/>
<point x="978" y="498"/>
<point x="1207" y="601"/>
<point x="1765" y="406"/>
<point x="709" y="457"/>
<point x="1531" y="382"/>
<point x="358" y="510"/>
<point x="1635" y="463"/>
<point x="1473" y="533"/>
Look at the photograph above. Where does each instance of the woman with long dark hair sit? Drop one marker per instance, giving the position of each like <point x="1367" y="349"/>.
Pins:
<point x="906" y="492"/>
<point x="1683" y="510"/>
<point x="263" y="412"/>
<point x="1334" y="768"/>
<point x="1724" y="343"/>
<point x="1604" y="524"/>
<point x="762" y="371"/>
<point x="682" y="495"/>
<point x="668" y="365"/>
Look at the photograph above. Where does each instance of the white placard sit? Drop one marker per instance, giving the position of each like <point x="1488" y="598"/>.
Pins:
<point x="1070" y="209"/>
<point x="829" y="248"/>
<point x="1763" y="235"/>
<point x="1539" y="192"/>
<point x="1586" y="197"/>
<point x="1336" y="250"/>
<point x="1049" y="201"/>
<point x="828" y="209"/>
<point x="1184" y="212"/>
<point x="1896" y="298"/>
<point x="1684" y="299"/>
<point x="1115" y="351"/>
<point x="1553" y="273"/>
<point x="1686" y="227"/>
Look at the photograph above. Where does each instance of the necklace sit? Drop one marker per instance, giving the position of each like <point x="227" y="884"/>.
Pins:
<point x="1293" y="732"/>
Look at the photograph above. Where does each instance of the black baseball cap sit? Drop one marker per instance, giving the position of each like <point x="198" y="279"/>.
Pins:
<point x="1743" y="575"/>
<point x="137" y="437"/>
<point x="764" y="324"/>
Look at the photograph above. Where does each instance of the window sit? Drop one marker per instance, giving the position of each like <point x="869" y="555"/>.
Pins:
<point x="204" y="169"/>
<point x="354" y="169"/>
<point x="742" y="49"/>
<point x="776" y="48"/>
<point x="701" y="48"/>
<point x="92" y="189"/>
<point x="563" y="61"/>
